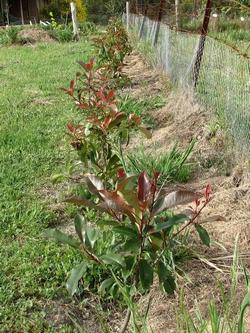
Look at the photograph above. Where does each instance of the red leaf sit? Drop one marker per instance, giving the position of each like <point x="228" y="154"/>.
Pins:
<point x="136" y="119"/>
<point x="111" y="95"/>
<point x="71" y="127"/>
<point x="87" y="66"/>
<point x="119" y="117"/>
<point x="106" y="122"/>
<point x="99" y="94"/>
<point x="114" y="202"/>
<point x="208" y="191"/>
<point x="121" y="173"/>
<point x="83" y="106"/>
<point x="144" y="187"/>
<point x="71" y="89"/>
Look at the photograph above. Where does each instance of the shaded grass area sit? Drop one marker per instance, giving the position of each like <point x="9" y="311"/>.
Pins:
<point x="33" y="115"/>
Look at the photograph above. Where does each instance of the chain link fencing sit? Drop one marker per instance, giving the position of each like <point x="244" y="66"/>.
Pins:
<point x="224" y="78"/>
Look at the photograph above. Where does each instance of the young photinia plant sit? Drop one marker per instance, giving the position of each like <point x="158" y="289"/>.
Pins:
<point x="98" y="137"/>
<point x="138" y="213"/>
<point x="113" y="46"/>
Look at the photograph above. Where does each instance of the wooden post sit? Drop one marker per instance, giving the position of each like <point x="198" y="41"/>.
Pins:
<point x="74" y="20"/>
<point x="200" y="50"/>
<point x="127" y="15"/>
<point x="21" y="11"/>
<point x="38" y="9"/>
<point x="160" y="14"/>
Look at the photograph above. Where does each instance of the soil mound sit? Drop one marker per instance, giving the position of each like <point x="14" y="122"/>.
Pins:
<point x="34" y="35"/>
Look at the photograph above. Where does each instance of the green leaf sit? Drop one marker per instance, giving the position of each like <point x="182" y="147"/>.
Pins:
<point x="132" y="245"/>
<point x="169" y="284"/>
<point x="146" y="132"/>
<point x="166" y="278"/>
<point x="204" y="236"/>
<point x="58" y="178"/>
<point x="127" y="231"/>
<point x="245" y="303"/>
<point x="175" y="220"/>
<point x="156" y="241"/>
<point x="75" y="276"/>
<point x="113" y="258"/>
<point x="80" y="226"/>
<point x="90" y="237"/>
<point x="146" y="274"/>
<point x="61" y="237"/>
<point x="162" y="271"/>
<point x="106" y="284"/>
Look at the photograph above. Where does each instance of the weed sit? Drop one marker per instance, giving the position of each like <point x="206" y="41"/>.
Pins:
<point x="9" y="36"/>
<point x="140" y="107"/>
<point x="221" y="318"/>
<point x="173" y="165"/>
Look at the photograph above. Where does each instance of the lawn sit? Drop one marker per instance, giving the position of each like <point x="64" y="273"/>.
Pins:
<point x="33" y="115"/>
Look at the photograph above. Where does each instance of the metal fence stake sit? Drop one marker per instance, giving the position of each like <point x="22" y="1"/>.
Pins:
<point x="200" y="50"/>
<point x="160" y="14"/>
<point x="127" y="15"/>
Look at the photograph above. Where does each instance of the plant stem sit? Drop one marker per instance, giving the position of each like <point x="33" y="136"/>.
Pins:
<point x="192" y="220"/>
<point x="126" y="322"/>
<point x="121" y="156"/>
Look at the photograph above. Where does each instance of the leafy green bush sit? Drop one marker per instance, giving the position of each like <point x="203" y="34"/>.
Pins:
<point x="9" y="36"/>
<point x="58" y="31"/>
<point x="62" y="35"/>
<point x="113" y="46"/>
<point x="87" y="28"/>
<point x="103" y="128"/>
<point x="144" y="237"/>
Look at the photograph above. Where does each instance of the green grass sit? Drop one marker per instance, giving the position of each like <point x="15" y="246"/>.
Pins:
<point x="33" y="115"/>
<point x="141" y="107"/>
<point x="173" y="165"/>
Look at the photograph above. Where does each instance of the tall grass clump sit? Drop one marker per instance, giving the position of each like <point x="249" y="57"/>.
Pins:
<point x="172" y="165"/>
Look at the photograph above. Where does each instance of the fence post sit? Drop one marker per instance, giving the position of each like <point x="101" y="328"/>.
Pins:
<point x="74" y="20"/>
<point x="21" y="11"/>
<point x="158" y="22"/>
<point x="200" y="50"/>
<point x="127" y="15"/>
<point x="143" y="22"/>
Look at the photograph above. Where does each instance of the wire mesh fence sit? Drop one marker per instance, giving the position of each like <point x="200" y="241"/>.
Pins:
<point x="224" y="78"/>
